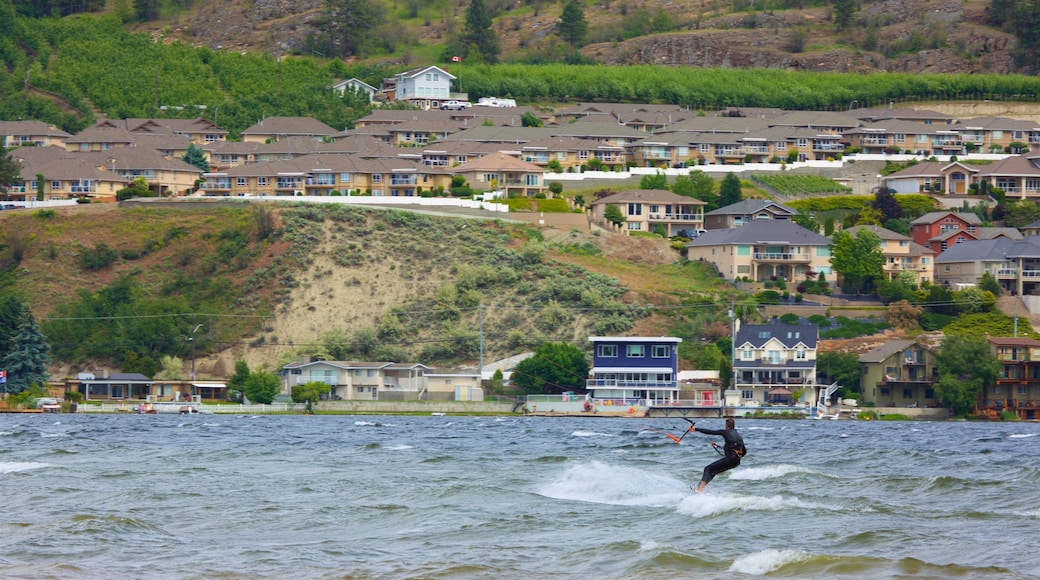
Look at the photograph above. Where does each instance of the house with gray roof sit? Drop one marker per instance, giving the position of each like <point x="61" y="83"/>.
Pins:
<point x="1018" y="176"/>
<point x="762" y="250"/>
<point x="746" y="211"/>
<point x="901" y="254"/>
<point x="773" y="360"/>
<point x="963" y="265"/>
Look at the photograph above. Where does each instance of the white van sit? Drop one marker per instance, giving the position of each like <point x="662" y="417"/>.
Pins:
<point x="495" y="102"/>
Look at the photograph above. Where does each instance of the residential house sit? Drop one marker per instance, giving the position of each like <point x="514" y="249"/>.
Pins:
<point x="772" y="361"/>
<point x="891" y="136"/>
<point x="30" y="134"/>
<point x="355" y="86"/>
<point x="502" y="172"/>
<point x="764" y="249"/>
<point x="101" y="137"/>
<point x="454" y="153"/>
<point x="1018" y="176"/>
<point x="930" y="229"/>
<point x="912" y="114"/>
<point x="572" y="153"/>
<point x="746" y="211"/>
<point x="643" y="117"/>
<point x="634" y="370"/>
<point x="647" y="209"/>
<point x="999" y="134"/>
<point x="102" y="385"/>
<point x="423" y="88"/>
<point x="164" y="174"/>
<point x="953" y="178"/>
<point x="444" y="385"/>
<point x="902" y="255"/>
<point x="665" y="150"/>
<point x="899" y="373"/>
<point x="272" y="129"/>
<point x="196" y="130"/>
<point x="1017" y="388"/>
<point x="65" y="176"/>
<point x="963" y="265"/>
<point x="358" y="381"/>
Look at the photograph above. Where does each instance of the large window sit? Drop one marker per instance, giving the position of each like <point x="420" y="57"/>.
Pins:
<point x="636" y="350"/>
<point x="659" y="351"/>
<point x="606" y="351"/>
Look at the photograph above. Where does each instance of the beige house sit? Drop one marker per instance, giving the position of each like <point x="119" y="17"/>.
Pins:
<point x="902" y="254"/>
<point x="65" y="176"/>
<point x="899" y="373"/>
<point x="762" y="250"/>
<point x="448" y="386"/>
<point x="275" y="128"/>
<point x="30" y="134"/>
<point x="646" y="209"/>
<point x="499" y="171"/>
<point x="358" y="381"/>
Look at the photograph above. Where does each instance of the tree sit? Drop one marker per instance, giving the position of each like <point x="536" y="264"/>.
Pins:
<point x="903" y="314"/>
<point x="236" y="385"/>
<point x="966" y="366"/>
<point x="197" y="157"/>
<point x="262" y="387"/>
<point x="839" y="367"/>
<point x="857" y="259"/>
<point x="11" y="311"/>
<point x="554" y="367"/>
<point x="573" y="27"/>
<point x="613" y="215"/>
<point x="172" y="368"/>
<point x="10" y="172"/>
<point x="655" y="181"/>
<point x="729" y="190"/>
<point x="807" y="221"/>
<point x="310" y="393"/>
<point x="843" y="12"/>
<point x="26" y="362"/>
<point x="698" y="185"/>
<point x="351" y="25"/>
<point x="479" y="40"/>
<point x="529" y="119"/>
<point x="146" y="10"/>
<point x="497" y="383"/>
<point x="885" y="202"/>
<point x="1021" y="212"/>
<point x="139" y="188"/>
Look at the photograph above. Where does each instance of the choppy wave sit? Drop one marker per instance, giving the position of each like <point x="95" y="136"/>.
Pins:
<point x="768" y="472"/>
<point x="15" y="467"/>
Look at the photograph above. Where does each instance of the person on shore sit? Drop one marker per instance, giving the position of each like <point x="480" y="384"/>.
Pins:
<point x="732" y="452"/>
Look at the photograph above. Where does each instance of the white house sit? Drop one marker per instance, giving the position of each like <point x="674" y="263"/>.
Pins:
<point x="355" y="85"/>
<point x="424" y="88"/>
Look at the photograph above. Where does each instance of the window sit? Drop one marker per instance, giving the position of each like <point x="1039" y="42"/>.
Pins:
<point x="908" y="393"/>
<point x="261" y="182"/>
<point x="636" y="350"/>
<point x="659" y="351"/>
<point x="747" y="395"/>
<point x="240" y="182"/>
<point x="635" y="209"/>
<point x="885" y="391"/>
<point x="799" y="354"/>
<point x="774" y="356"/>
<point x="606" y="351"/>
<point x="747" y="354"/>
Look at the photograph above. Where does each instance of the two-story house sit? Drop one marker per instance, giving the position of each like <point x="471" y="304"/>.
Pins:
<point x="772" y="361"/>
<point x="502" y="172"/>
<point x="648" y="209"/>
<point x="934" y="229"/>
<point x="762" y="249"/>
<point x="358" y="381"/>
<point x="30" y="133"/>
<point x="423" y="88"/>
<point x="953" y="178"/>
<point x="271" y="129"/>
<point x="899" y="373"/>
<point x="902" y="254"/>
<point x="1017" y="388"/>
<point x="634" y="370"/>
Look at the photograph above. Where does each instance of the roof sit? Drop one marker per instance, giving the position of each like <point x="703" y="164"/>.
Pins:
<point x="647" y="196"/>
<point x="885" y="351"/>
<point x="750" y="206"/>
<point x="498" y="162"/>
<point x="758" y="334"/>
<point x="992" y="250"/>
<point x="291" y="126"/>
<point x="761" y="232"/>
<point x="934" y="216"/>
<point x="1013" y="341"/>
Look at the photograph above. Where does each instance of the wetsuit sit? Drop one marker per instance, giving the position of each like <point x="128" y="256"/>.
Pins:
<point x="733" y="442"/>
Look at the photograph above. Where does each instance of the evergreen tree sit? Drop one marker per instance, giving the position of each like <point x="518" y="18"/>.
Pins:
<point x="146" y="10"/>
<point x="26" y="362"/>
<point x="966" y="368"/>
<point x="573" y="27"/>
<point x="729" y="190"/>
<point x="843" y="12"/>
<point x="197" y="157"/>
<point x="350" y="26"/>
<point x="613" y="215"/>
<point x="11" y="310"/>
<point x="478" y="39"/>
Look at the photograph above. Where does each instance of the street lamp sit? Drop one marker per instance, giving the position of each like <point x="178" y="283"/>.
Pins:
<point x="191" y="339"/>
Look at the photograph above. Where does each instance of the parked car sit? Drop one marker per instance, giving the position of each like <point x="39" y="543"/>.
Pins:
<point x="690" y="233"/>
<point x="10" y="206"/>
<point x="454" y="105"/>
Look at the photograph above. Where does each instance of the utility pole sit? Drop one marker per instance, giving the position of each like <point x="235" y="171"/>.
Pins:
<point x="191" y="339"/>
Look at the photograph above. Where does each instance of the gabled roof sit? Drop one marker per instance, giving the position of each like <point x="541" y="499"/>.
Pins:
<point x="788" y="334"/>
<point x="993" y="232"/>
<point x="761" y="232"/>
<point x="1013" y="341"/>
<point x="419" y="71"/>
<point x="355" y="82"/>
<point x="29" y="128"/>
<point x="994" y="250"/>
<point x="291" y="126"/>
<point x="647" y="196"/>
<point x="1026" y="165"/>
<point x="498" y="162"/>
<point x="886" y="350"/>
<point x="751" y="206"/>
<point x="934" y="216"/>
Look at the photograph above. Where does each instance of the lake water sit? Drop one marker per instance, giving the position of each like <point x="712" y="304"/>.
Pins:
<point x="155" y="496"/>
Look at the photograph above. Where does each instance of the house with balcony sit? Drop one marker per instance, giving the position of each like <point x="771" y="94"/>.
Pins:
<point x="900" y="373"/>
<point x="449" y="153"/>
<point x="66" y="176"/>
<point x="358" y="381"/>
<point x="773" y="361"/>
<point x="1017" y="388"/>
<point x="902" y="255"/>
<point x="999" y="134"/>
<point x="100" y="137"/>
<point x="745" y="212"/>
<point x="763" y="249"/>
<point x="634" y="370"/>
<point x="571" y="153"/>
<point x="422" y="88"/>
<point x="499" y="171"/>
<point x="647" y="209"/>
<point x="30" y="134"/>
<point x="198" y="130"/>
<point x="1018" y="176"/>
<point x="890" y="136"/>
<point x="166" y="175"/>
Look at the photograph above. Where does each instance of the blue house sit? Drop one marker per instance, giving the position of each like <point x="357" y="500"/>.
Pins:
<point x="634" y="369"/>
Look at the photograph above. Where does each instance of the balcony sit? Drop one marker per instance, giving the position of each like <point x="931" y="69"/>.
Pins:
<point x="676" y="217"/>
<point x="876" y="141"/>
<point x="782" y="257"/>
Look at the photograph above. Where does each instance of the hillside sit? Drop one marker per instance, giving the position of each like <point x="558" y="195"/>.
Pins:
<point x="913" y="36"/>
<point x="350" y="283"/>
